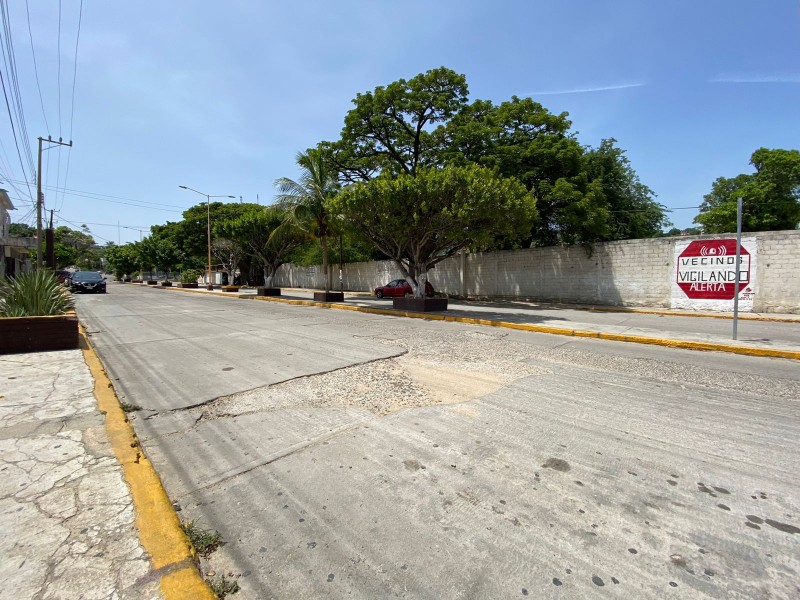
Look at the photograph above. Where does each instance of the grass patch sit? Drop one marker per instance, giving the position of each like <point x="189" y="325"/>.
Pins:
<point x="129" y="407"/>
<point x="222" y="586"/>
<point x="205" y="541"/>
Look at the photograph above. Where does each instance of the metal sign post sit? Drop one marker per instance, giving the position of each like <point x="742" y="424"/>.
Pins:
<point x="738" y="254"/>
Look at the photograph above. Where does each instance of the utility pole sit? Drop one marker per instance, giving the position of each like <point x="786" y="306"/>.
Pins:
<point x="40" y="197"/>
<point x="50" y="239"/>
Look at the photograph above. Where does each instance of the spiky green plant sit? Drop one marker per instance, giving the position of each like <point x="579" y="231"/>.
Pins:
<point x="34" y="294"/>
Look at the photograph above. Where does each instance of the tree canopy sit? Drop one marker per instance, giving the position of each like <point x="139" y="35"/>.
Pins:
<point x="390" y="129"/>
<point x="306" y="201"/>
<point x="423" y="218"/>
<point x="266" y="233"/>
<point x="770" y="196"/>
<point x="583" y="194"/>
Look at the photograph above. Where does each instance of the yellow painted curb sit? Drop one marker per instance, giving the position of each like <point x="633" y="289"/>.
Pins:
<point x="616" y="337"/>
<point x="170" y="551"/>
<point x="686" y="313"/>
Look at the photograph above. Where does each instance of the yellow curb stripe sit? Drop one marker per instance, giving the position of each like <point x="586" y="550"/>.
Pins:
<point x="615" y="337"/>
<point x="159" y="531"/>
<point x="652" y="311"/>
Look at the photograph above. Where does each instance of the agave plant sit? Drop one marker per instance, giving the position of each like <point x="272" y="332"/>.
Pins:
<point x="34" y="294"/>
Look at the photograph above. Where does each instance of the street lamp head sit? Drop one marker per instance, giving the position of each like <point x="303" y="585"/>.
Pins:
<point x="183" y="187"/>
<point x="234" y="197"/>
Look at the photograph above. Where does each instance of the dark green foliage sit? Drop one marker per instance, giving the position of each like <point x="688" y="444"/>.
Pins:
<point x="419" y="220"/>
<point x="34" y="294"/>
<point x="21" y="230"/>
<point x="267" y="234"/>
<point x="390" y="129"/>
<point x="584" y="195"/>
<point x="123" y="260"/>
<point x="770" y="196"/>
<point x="306" y="201"/>
<point x="160" y="253"/>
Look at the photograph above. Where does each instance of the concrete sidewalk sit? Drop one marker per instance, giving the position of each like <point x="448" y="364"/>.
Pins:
<point x="73" y="521"/>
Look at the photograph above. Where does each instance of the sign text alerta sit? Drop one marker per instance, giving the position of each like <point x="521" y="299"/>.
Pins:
<point x="705" y="275"/>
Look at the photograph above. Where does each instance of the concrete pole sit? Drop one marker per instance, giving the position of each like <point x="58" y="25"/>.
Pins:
<point x="208" y="204"/>
<point x="738" y="267"/>
<point x="39" y="210"/>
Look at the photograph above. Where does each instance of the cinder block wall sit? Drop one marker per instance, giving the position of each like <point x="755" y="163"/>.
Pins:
<point x="778" y="272"/>
<point x="624" y="273"/>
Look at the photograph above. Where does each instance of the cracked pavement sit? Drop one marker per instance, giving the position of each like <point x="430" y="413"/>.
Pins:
<point x="346" y="455"/>
<point x="65" y="510"/>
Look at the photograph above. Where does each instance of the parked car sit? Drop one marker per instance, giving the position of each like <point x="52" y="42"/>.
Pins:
<point x="398" y="288"/>
<point x="87" y="281"/>
<point x="63" y="275"/>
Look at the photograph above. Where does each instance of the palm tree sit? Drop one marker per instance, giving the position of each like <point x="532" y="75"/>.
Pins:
<point x="306" y="200"/>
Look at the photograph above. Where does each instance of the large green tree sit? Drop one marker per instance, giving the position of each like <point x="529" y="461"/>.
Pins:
<point x="73" y="247"/>
<point x="268" y="235"/>
<point x="421" y="219"/>
<point x="160" y="253"/>
<point x="191" y="233"/>
<point x="390" y="130"/>
<point x="584" y="195"/>
<point x="770" y="196"/>
<point x="123" y="260"/>
<point x="306" y="201"/>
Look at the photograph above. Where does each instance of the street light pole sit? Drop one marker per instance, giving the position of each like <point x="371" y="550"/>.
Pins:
<point x="210" y="285"/>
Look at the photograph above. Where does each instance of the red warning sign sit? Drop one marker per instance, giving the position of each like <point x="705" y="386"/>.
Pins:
<point x="707" y="269"/>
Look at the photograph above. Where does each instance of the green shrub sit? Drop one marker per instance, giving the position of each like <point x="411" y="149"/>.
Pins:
<point x="190" y="276"/>
<point x="34" y="294"/>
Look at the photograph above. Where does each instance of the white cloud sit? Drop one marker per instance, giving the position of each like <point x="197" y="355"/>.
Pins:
<point x="605" y="88"/>
<point x="756" y="79"/>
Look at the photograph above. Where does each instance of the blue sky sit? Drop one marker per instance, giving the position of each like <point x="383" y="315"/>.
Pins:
<point x="220" y="96"/>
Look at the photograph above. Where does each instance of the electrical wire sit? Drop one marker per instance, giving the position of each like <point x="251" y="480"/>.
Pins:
<point x="72" y="101"/>
<point x="36" y="69"/>
<point x="13" y="87"/>
<point x="103" y="197"/>
<point x="9" y="58"/>
<point x="93" y="235"/>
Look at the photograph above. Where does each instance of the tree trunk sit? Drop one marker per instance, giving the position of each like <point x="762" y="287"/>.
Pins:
<point x="325" y="268"/>
<point x="422" y="279"/>
<point x="269" y="272"/>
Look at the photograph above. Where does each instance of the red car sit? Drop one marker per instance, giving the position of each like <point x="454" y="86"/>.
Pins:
<point x="399" y="288"/>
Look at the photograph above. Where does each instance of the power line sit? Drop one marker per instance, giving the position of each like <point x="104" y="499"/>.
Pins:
<point x="72" y="101"/>
<point x="35" y="68"/>
<point x="103" y="198"/>
<point x="59" y="70"/>
<point x="13" y="86"/>
<point x="94" y="235"/>
<point x="9" y="57"/>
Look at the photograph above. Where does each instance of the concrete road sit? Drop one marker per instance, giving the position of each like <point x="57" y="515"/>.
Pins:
<point x="439" y="460"/>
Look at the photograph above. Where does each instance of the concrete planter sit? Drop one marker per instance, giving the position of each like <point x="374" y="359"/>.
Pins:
<point x="152" y="282"/>
<point x="38" y="334"/>
<point x="329" y="296"/>
<point x="420" y="304"/>
<point x="188" y="285"/>
<point x="230" y="288"/>
<point x="265" y="291"/>
<point x="166" y="284"/>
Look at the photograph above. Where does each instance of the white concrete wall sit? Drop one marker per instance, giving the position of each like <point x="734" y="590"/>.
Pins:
<point x="624" y="273"/>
